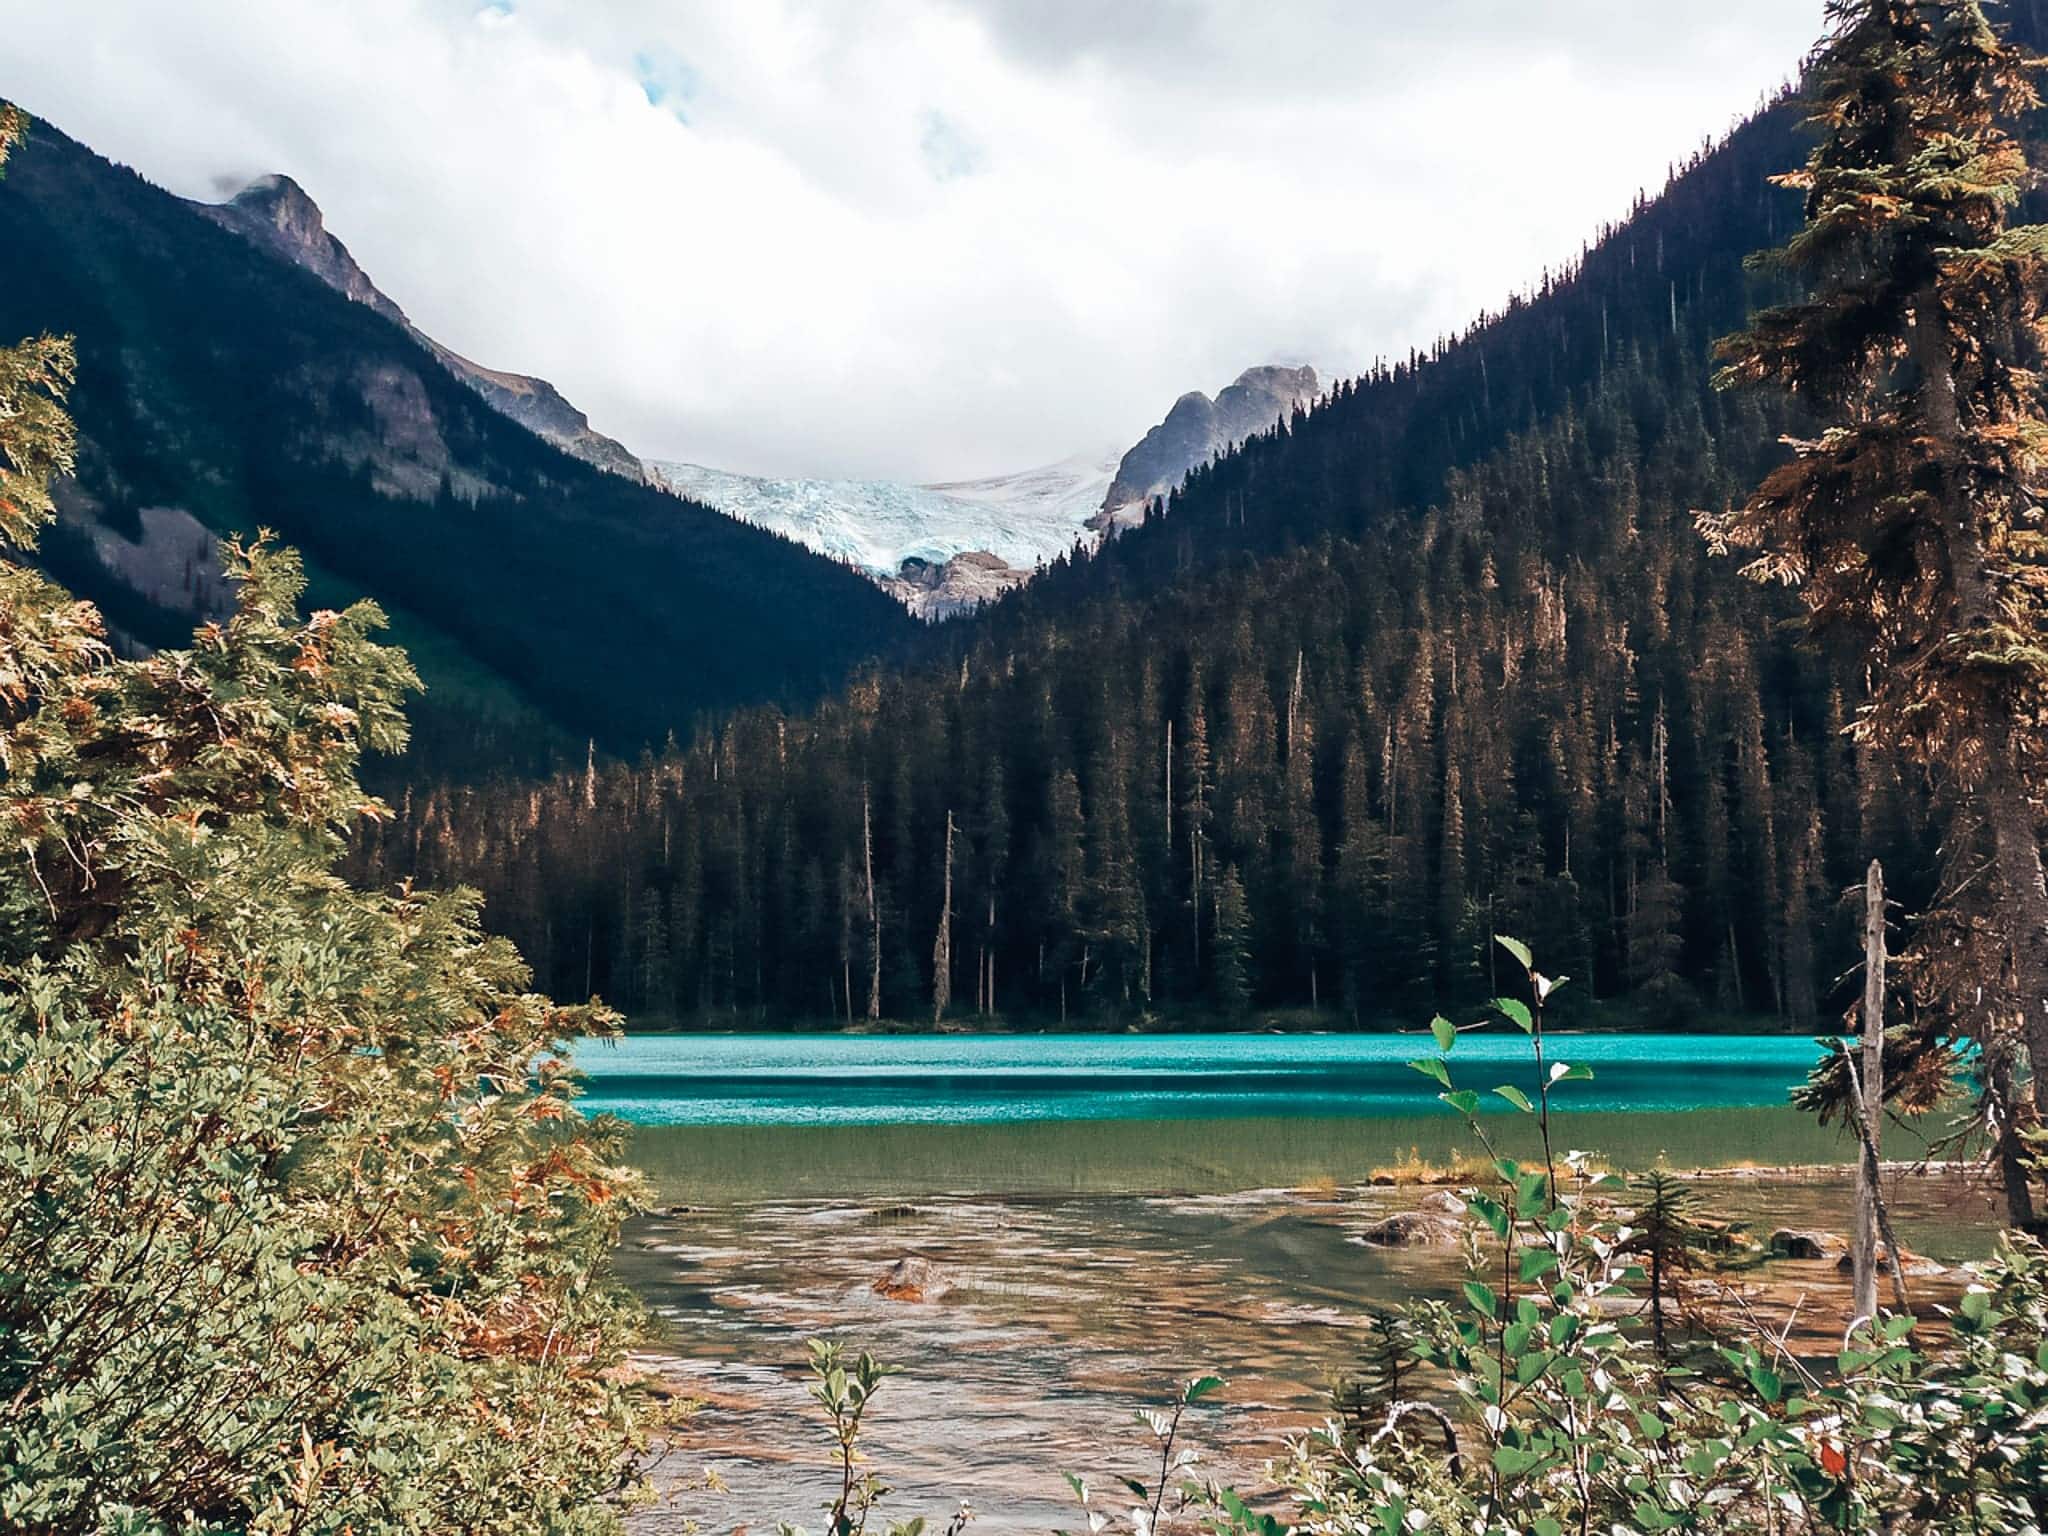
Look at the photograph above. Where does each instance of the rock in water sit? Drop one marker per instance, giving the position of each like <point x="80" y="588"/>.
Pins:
<point x="913" y="1279"/>
<point x="1793" y="1243"/>
<point x="1434" y="1225"/>
<point x="1912" y="1265"/>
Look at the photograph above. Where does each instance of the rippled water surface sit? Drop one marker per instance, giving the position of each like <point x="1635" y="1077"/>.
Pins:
<point x="1107" y="1215"/>
<point x="985" y="1079"/>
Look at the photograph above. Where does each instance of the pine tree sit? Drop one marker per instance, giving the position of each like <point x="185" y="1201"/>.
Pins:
<point x="1913" y="525"/>
<point x="1668" y="1238"/>
<point x="1230" y="957"/>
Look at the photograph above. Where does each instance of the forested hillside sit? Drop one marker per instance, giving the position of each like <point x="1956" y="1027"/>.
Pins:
<point x="221" y="388"/>
<point x="1442" y="658"/>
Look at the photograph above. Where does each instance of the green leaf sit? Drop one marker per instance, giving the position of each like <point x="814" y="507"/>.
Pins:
<point x="1516" y="948"/>
<point x="1536" y="1263"/>
<point x="1464" y="1101"/>
<point x="1200" y="1388"/>
<point x="1431" y="1066"/>
<point x="1516" y="1012"/>
<point x="1532" y="1194"/>
<point x="1511" y="1462"/>
<point x="1560" y="1072"/>
<point x="1445" y="1031"/>
<point x="1516" y="1097"/>
<point x="1649" y="1517"/>
<point x="1492" y="1212"/>
<point x="1482" y="1298"/>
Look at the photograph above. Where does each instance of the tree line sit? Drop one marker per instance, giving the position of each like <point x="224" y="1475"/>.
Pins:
<point x="1316" y="781"/>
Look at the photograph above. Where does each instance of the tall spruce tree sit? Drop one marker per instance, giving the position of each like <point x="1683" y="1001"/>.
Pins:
<point x="1912" y="523"/>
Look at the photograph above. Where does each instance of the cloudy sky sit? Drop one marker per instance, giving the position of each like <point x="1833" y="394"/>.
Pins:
<point x="916" y="238"/>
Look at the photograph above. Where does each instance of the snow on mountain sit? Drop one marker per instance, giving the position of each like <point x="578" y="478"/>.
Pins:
<point x="947" y="548"/>
<point x="895" y="531"/>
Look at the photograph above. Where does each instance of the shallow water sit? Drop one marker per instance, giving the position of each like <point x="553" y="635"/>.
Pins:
<point x="1067" y="1314"/>
<point x="1113" y="1214"/>
<point x="725" y="1164"/>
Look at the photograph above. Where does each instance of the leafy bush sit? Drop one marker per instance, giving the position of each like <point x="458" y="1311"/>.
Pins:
<point x="1547" y="1409"/>
<point x="299" y="1228"/>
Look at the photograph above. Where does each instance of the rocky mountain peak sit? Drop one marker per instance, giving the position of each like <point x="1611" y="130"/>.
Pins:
<point x="276" y="214"/>
<point x="283" y="202"/>
<point x="1198" y="428"/>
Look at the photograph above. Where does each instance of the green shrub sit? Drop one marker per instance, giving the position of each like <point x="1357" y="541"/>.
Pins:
<point x="299" y="1228"/>
<point x="1544" y="1405"/>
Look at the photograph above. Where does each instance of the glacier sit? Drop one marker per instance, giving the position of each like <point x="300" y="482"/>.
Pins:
<point x="1025" y="519"/>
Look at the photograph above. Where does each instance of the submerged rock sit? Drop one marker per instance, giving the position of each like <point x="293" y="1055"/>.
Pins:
<point x="1912" y="1265"/>
<point x="913" y="1279"/>
<point x="1808" y="1243"/>
<point x="1438" y="1222"/>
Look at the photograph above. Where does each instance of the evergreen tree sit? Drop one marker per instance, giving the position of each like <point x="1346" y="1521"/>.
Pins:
<point x="1667" y="1237"/>
<point x="1913" y="525"/>
<point x="1230" y="960"/>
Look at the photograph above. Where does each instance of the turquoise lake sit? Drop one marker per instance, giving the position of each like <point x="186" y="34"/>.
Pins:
<point x="848" y="1080"/>
<point x="1109" y="1214"/>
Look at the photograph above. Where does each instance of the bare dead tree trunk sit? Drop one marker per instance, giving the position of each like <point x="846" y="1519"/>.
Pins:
<point x="1168" y="840"/>
<point x="942" y="947"/>
<point x="1884" y="1221"/>
<point x="867" y="842"/>
<point x="846" y="940"/>
<point x="1870" y="1106"/>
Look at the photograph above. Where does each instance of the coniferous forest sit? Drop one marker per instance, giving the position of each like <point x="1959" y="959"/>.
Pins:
<point x="1442" y="658"/>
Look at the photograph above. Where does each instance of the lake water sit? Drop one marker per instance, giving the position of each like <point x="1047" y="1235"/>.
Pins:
<point x="1110" y="1213"/>
<point x="733" y="1118"/>
<point x="822" y="1080"/>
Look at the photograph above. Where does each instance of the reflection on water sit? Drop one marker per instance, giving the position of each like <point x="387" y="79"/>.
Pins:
<point x="721" y="1164"/>
<point x="1067" y="1312"/>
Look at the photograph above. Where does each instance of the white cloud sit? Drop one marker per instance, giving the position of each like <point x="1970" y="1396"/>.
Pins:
<point x="919" y="238"/>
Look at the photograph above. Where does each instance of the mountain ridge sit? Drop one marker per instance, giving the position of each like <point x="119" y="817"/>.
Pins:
<point x="222" y="388"/>
<point x="278" y="215"/>
<point x="1442" y="657"/>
